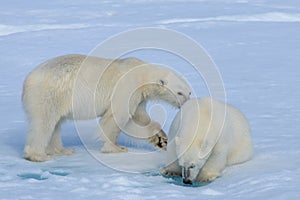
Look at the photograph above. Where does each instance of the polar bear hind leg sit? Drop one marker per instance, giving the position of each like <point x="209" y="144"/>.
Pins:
<point x="40" y="133"/>
<point x="55" y="146"/>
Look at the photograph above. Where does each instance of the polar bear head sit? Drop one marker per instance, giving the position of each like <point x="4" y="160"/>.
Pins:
<point x="190" y="159"/>
<point x="167" y="85"/>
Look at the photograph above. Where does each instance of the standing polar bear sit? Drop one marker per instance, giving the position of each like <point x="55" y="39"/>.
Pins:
<point x="206" y="136"/>
<point x="84" y="87"/>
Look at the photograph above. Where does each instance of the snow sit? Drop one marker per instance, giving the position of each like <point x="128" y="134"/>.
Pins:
<point x="262" y="17"/>
<point x="254" y="43"/>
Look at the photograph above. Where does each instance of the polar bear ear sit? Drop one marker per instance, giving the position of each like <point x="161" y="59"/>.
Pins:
<point x="177" y="140"/>
<point x="162" y="82"/>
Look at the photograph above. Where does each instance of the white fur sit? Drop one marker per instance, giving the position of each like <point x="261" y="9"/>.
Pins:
<point x="81" y="87"/>
<point x="205" y="137"/>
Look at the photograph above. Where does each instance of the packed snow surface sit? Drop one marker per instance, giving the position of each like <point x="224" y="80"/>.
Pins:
<point x="255" y="45"/>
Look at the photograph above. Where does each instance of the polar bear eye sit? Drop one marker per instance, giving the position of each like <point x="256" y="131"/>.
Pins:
<point x="192" y="166"/>
<point x="162" y="82"/>
<point x="180" y="93"/>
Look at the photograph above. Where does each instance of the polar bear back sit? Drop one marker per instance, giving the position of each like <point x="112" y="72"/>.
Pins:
<point x="79" y="76"/>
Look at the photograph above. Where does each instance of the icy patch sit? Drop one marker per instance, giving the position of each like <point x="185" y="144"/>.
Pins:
<point x="263" y="17"/>
<point x="35" y="176"/>
<point x="42" y="175"/>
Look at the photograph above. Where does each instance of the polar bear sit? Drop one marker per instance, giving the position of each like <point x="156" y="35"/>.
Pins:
<point x="206" y="136"/>
<point x="83" y="87"/>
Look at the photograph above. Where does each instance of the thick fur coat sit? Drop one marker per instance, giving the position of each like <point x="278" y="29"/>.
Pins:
<point x="205" y="137"/>
<point x="83" y="87"/>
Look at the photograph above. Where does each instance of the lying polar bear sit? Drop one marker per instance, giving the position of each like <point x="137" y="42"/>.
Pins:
<point x="206" y="136"/>
<point x="84" y="87"/>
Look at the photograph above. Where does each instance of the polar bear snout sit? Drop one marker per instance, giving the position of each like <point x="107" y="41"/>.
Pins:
<point x="190" y="169"/>
<point x="189" y="173"/>
<point x="186" y="175"/>
<point x="183" y="97"/>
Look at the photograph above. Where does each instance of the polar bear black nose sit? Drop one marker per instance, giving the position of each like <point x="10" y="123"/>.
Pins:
<point x="180" y="93"/>
<point x="187" y="181"/>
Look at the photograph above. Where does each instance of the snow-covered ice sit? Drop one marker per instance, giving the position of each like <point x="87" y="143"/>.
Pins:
<point x="256" y="46"/>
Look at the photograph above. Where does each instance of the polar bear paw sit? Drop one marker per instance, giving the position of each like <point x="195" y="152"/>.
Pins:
<point x="38" y="157"/>
<point x="60" y="151"/>
<point x="35" y="155"/>
<point x="159" y="140"/>
<point x="208" y="176"/>
<point x="113" y="149"/>
<point x="169" y="172"/>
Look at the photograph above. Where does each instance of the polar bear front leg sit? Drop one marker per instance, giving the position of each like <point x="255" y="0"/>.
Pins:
<point x="213" y="167"/>
<point x="151" y="131"/>
<point x="172" y="168"/>
<point x="157" y="138"/>
<point x="55" y="146"/>
<point x="109" y="134"/>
